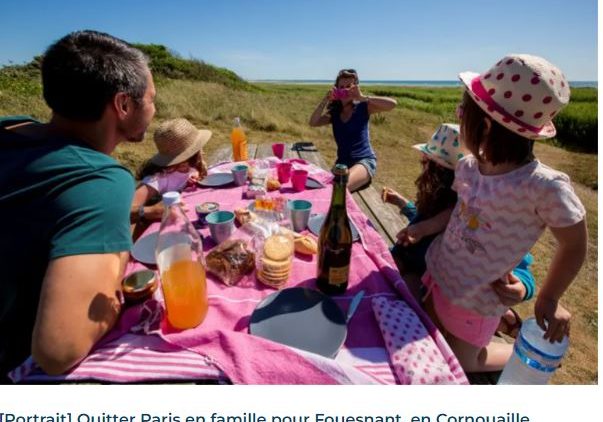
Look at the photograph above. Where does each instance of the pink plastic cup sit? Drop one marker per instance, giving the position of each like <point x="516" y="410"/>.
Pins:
<point x="278" y="150"/>
<point x="283" y="171"/>
<point x="298" y="180"/>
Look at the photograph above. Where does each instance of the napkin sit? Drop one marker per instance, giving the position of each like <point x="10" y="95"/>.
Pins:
<point x="413" y="354"/>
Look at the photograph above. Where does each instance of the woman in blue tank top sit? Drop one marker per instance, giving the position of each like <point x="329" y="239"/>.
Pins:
<point x="348" y="111"/>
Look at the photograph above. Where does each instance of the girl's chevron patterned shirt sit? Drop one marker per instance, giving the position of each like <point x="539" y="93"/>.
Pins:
<point x="496" y="220"/>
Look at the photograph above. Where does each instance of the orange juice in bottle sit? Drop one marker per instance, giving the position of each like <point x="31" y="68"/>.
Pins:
<point x="181" y="265"/>
<point x="239" y="142"/>
<point x="185" y="293"/>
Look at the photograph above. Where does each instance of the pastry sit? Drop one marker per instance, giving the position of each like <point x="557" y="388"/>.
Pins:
<point x="230" y="261"/>
<point x="273" y="184"/>
<point x="243" y="215"/>
<point x="305" y="245"/>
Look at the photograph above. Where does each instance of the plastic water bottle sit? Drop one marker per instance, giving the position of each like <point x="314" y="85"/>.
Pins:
<point x="534" y="358"/>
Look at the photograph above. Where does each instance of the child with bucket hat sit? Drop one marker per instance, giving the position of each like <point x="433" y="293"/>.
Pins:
<point x="177" y="164"/>
<point x="506" y="199"/>
<point x="435" y="195"/>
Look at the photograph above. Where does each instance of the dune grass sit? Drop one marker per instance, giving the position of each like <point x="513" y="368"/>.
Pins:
<point x="280" y="113"/>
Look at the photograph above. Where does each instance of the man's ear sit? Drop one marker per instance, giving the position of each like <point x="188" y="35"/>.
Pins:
<point x="122" y="104"/>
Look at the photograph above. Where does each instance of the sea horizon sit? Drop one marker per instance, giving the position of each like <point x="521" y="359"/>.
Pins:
<point x="418" y="83"/>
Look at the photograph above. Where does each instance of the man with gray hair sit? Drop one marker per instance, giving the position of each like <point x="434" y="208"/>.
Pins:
<point x="65" y="203"/>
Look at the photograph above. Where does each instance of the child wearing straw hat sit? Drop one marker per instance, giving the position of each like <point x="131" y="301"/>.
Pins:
<point x="435" y="195"/>
<point x="177" y="164"/>
<point x="506" y="199"/>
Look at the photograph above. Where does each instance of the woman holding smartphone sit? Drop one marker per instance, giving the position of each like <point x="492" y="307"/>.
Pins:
<point x="348" y="110"/>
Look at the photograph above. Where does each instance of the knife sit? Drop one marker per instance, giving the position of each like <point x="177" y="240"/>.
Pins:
<point x="354" y="305"/>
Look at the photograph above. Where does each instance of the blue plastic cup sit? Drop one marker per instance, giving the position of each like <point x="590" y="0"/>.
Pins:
<point x="239" y="173"/>
<point x="300" y="213"/>
<point x="221" y="225"/>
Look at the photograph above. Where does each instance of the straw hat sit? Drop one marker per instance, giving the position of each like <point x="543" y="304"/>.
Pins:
<point x="521" y="92"/>
<point x="178" y="140"/>
<point x="444" y="147"/>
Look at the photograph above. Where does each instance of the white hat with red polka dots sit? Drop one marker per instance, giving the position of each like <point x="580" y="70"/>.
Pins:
<point x="521" y="92"/>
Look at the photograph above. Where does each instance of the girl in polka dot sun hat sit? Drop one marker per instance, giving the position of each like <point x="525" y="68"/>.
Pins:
<point x="506" y="199"/>
<point x="439" y="157"/>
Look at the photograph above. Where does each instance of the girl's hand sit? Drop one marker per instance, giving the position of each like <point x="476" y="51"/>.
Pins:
<point x="410" y="235"/>
<point x="510" y="290"/>
<point x="390" y="196"/>
<point x="154" y="212"/>
<point x="556" y="316"/>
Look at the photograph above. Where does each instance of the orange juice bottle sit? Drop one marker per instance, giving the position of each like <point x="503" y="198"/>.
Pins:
<point x="185" y="293"/>
<point x="181" y="265"/>
<point x="239" y="142"/>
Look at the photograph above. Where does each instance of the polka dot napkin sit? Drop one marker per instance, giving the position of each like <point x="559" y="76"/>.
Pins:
<point x="413" y="354"/>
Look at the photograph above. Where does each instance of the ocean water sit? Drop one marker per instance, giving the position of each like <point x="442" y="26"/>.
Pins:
<point x="451" y="83"/>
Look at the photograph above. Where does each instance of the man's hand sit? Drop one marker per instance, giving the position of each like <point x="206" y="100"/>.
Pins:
<point x="510" y="289"/>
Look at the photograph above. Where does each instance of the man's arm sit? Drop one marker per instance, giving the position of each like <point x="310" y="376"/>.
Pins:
<point x="78" y="305"/>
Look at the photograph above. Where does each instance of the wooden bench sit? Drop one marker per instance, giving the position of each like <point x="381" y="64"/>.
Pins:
<point x="383" y="218"/>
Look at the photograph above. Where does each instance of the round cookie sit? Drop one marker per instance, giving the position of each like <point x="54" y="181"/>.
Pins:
<point x="270" y="265"/>
<point x="273" y="282"/>
<point x="278" y="248"/>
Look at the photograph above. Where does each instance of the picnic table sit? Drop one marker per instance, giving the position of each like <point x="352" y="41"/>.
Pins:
<point x="141" y="349"/>
<point x="383" y="218"/>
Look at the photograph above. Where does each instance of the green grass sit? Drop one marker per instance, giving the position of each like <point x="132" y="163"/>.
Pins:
<point x="272" y="112"/>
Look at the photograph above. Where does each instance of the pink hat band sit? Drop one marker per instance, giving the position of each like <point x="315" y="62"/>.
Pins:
<point x="479" y="90"/>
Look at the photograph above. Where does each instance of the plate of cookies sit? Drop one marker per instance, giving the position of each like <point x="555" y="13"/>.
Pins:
<point x="274" y="259"/>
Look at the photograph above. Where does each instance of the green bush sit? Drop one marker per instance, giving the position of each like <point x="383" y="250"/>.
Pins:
<point x="577" y="124"/>
<point x="168" y="64"/>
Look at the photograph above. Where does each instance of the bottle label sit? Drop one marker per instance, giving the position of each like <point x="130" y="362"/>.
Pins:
<point x="338" y="275"/>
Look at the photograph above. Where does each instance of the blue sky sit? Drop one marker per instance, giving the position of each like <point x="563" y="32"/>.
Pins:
<point x="382" y="39"/>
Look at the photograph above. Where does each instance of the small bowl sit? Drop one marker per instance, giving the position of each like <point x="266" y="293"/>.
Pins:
<point x="139" y="286"/>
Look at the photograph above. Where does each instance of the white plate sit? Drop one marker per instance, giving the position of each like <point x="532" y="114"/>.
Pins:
<point x="302" y="318"/>
<point x="144" y="248"/>
<point x="317" y="220"/>
<point x="217" y="179"/>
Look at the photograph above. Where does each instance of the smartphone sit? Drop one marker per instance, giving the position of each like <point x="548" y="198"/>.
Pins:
<point x="340" y="93"/>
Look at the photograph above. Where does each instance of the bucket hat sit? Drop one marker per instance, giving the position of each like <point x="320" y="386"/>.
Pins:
<point x="177" y="140"/>
<point x="521" y="92"/>
<point x="445" y="146"/>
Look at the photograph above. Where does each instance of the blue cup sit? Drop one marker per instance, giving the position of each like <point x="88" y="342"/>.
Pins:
<point x="239" y="173"/>
<point x="221" y="225"/>
<point x="300" y="213"/>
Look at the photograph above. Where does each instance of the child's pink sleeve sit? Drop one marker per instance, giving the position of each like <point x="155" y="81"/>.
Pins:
<point x="559" y="205"/>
